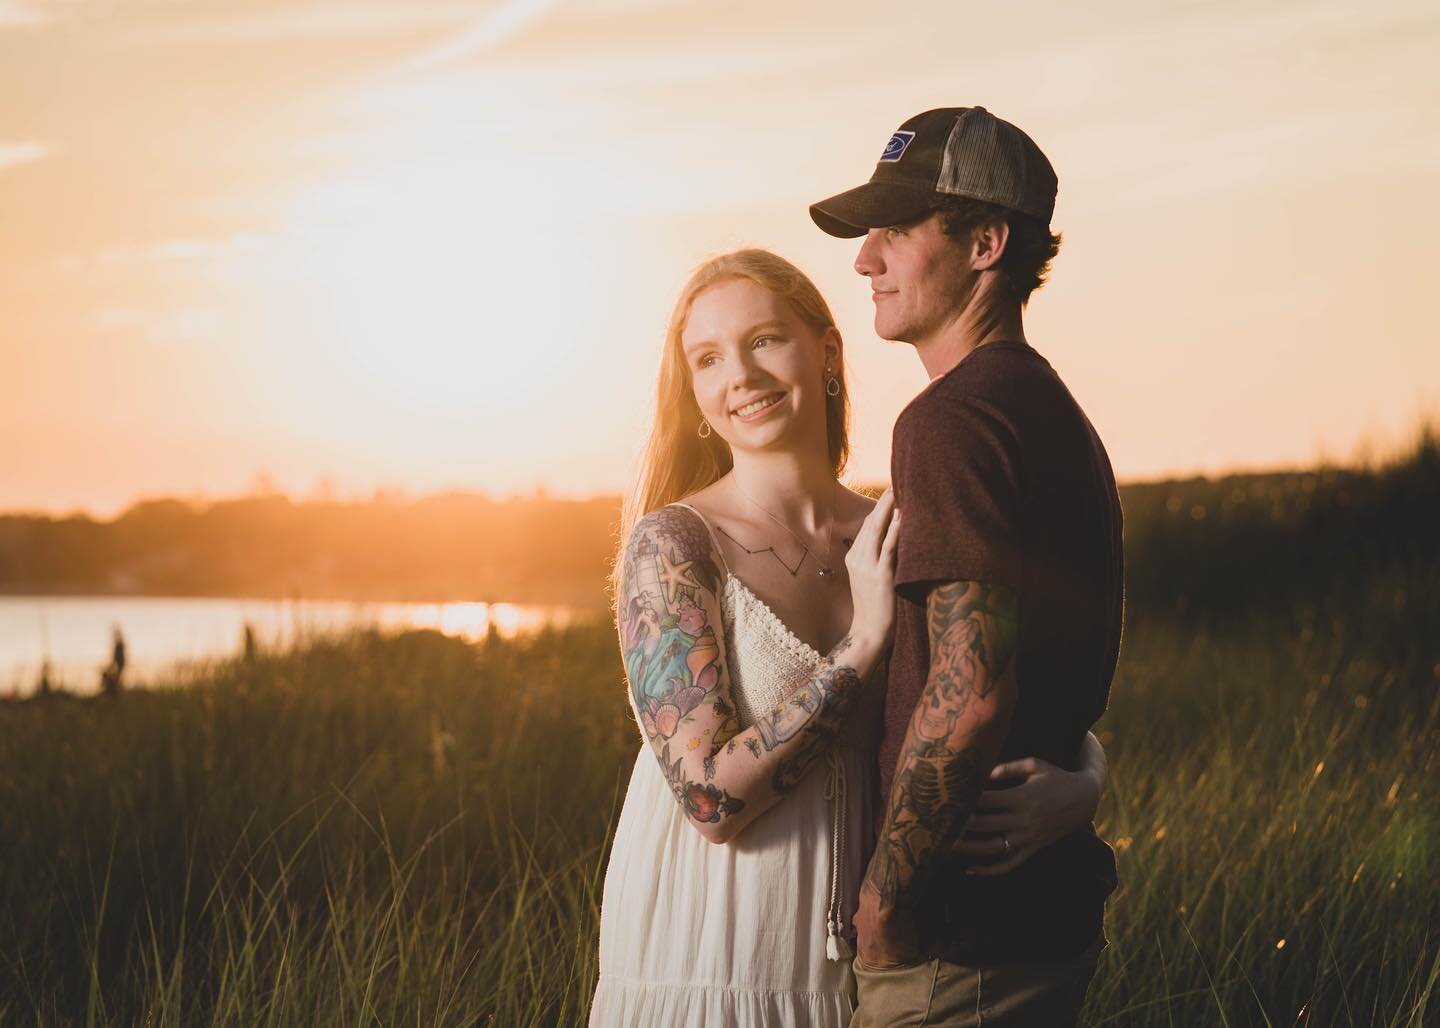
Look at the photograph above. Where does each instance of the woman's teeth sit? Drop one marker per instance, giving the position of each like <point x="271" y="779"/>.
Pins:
<point x="758" y="405"/>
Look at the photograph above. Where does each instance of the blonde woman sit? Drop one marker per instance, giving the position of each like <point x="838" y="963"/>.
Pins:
<point x="754" y="601"/>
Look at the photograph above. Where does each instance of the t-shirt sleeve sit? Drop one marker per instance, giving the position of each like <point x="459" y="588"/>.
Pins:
<point x="956" y="479"/>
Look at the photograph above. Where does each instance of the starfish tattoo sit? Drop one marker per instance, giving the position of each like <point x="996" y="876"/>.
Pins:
<point x="674" y="575"/>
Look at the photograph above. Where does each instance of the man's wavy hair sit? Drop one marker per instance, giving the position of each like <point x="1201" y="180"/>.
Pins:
<point x="1025" y="264"/>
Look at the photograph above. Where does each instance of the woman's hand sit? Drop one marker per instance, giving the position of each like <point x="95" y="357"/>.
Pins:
<point x="871" y="565"/>
<point x="1011" y="825"/>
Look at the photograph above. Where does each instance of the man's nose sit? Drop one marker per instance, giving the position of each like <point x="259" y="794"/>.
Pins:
<point x="867" y="261"/>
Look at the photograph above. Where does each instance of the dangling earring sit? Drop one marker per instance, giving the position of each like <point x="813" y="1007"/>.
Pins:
<point x="832" y="387"/>
<point x="705" y="429"/>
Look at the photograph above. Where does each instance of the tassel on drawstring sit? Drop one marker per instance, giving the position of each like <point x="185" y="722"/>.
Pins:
<point x="837" y="947"/>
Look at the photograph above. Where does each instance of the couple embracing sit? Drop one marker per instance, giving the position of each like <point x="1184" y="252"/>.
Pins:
<point x="867" y="780"/>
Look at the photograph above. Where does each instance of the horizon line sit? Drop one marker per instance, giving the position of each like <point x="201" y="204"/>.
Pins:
<point x="1366" y="458"/>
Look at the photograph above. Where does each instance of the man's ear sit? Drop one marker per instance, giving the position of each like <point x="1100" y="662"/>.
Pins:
<point x="988" y="244"/>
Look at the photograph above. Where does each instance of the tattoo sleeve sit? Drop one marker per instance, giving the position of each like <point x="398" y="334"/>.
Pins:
<point x="672" y="642"/>
<point x="953" y="739"/>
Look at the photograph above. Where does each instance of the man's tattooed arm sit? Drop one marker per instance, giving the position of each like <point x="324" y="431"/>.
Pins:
<point x="669" y="621"/>
<point x="954" y="737"/>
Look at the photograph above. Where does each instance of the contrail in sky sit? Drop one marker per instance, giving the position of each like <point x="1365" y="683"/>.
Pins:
<point x="501" y="23"/>
<point x="14" y="14"/>
<point x="21" y="153"/>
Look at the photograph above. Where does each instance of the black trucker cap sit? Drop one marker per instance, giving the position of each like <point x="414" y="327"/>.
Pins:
<point x="950" y="151"/>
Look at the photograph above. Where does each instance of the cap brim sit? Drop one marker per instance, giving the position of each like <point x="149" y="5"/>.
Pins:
<point x="873" y="205"/>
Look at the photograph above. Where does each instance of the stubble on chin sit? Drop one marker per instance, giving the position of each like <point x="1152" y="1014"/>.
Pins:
<point x="889" y="329"/>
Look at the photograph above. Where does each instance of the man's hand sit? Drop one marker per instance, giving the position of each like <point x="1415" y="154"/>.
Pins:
<point x="884" y="939"/>
<point x="1011" y="825"/>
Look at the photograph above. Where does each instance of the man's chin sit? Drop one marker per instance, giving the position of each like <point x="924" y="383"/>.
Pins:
<point x="889" y="333"/>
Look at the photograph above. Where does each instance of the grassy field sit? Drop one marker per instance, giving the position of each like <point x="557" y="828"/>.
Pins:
<point x="412" y="830"/>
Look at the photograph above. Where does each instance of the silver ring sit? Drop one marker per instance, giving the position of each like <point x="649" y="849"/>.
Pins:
<point x="1005" y="840"/>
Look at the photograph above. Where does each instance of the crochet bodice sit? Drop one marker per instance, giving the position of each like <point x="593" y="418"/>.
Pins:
<point x="767" y="661"/>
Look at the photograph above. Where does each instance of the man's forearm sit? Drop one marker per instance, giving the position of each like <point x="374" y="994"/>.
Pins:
<point x="953" y="739"/>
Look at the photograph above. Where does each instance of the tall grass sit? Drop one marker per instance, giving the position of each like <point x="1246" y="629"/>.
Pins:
<point x="413" y="830"/>
<point x="1273" y="809"/>
<point x="370" y="831"/>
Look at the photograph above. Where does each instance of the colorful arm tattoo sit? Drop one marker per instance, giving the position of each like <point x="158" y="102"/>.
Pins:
<point x="954" y="736"/>
<point x="668" y="609"/>
<point x="813" y="714"/>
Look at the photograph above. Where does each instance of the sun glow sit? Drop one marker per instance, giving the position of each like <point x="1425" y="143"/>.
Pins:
<point x="434" y="246"/>
<point x="438" y="286"/>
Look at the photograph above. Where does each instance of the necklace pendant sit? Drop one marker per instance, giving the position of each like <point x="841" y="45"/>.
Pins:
<point x="826" y="572"/>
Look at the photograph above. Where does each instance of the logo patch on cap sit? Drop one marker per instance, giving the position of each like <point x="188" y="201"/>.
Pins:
<point x="895" y="149"/>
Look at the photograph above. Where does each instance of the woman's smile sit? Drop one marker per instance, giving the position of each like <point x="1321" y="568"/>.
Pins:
<point x="756" y="409"/>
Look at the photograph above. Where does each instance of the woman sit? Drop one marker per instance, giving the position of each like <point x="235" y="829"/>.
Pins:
<point x="754" y="602"/>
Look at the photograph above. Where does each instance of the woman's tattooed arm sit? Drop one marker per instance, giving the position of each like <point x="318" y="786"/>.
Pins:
<point x="672" y="640"/>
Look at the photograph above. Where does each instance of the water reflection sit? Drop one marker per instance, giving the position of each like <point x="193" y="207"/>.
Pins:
<point x="163" y="635"/>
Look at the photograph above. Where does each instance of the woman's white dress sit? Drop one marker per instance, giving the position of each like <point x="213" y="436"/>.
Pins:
<point x="694" y="933"/>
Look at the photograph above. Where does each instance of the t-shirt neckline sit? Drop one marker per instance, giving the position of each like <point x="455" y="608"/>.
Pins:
<point x="1005" y="344"/>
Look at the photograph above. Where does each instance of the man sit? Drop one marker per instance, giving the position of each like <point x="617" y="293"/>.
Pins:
<point x="1009" y="583"/>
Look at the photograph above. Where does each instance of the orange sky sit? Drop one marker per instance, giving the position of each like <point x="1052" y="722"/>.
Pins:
<point x="425" y="245"/>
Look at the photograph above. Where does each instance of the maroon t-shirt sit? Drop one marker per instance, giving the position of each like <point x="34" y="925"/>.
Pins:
<point x="1001" y="479"/>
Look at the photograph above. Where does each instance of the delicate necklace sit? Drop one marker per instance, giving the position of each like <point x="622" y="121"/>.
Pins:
<point x="826" y="571"/>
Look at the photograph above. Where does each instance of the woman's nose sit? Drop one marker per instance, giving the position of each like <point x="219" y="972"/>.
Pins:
<point x="745" y="367"/>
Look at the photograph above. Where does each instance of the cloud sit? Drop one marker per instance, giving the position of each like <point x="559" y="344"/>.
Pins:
<point x="501" y="23"/>
<point x="15" y="14"/>
<point x="314" y="21"/>
<point x="500" y="20"/>
<point x="23" y="153"/>
<point x="239" y="244"/>
<point x="173" y="325"/>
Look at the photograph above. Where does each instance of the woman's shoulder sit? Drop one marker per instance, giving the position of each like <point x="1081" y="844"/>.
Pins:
<point x="710" y="506"/>
<point x="711" y="499"/>
<point x="678" y="527"/>
<point x="865" y="496"/>
<point x="671" y="550"/>
<point x="858" y="503"/>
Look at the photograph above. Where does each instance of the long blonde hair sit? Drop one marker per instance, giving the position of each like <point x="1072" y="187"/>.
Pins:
<point x="676" y="461"/>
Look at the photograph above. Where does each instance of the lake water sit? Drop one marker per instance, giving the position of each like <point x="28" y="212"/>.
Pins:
<point x="162" y="635"/>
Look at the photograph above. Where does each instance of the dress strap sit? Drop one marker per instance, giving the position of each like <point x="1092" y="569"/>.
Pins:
<point x="714" y="539"/>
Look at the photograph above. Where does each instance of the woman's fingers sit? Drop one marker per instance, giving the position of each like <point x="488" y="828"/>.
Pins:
<point x="871" y="538"/>
<point x="867" y="540"/>
<point x="882" y="515"/>
<point x="892" y="539"/>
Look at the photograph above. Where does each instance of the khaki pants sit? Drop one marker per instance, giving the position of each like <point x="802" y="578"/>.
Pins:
<point x="938" y="993"/>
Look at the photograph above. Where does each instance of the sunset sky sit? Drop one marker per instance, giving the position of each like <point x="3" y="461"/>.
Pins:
<point x="426" y="245"/>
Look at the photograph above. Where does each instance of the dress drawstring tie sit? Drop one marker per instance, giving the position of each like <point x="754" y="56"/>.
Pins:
<point x="837" y="947"/>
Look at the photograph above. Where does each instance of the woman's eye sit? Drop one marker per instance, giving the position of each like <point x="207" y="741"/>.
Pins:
<point x="705" y="361"/>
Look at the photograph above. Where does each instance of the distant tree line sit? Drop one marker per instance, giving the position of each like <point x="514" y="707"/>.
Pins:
<point x="452" y="546"/>
<point x="1195" y="548"/>
<point x="1331" y="539"/>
